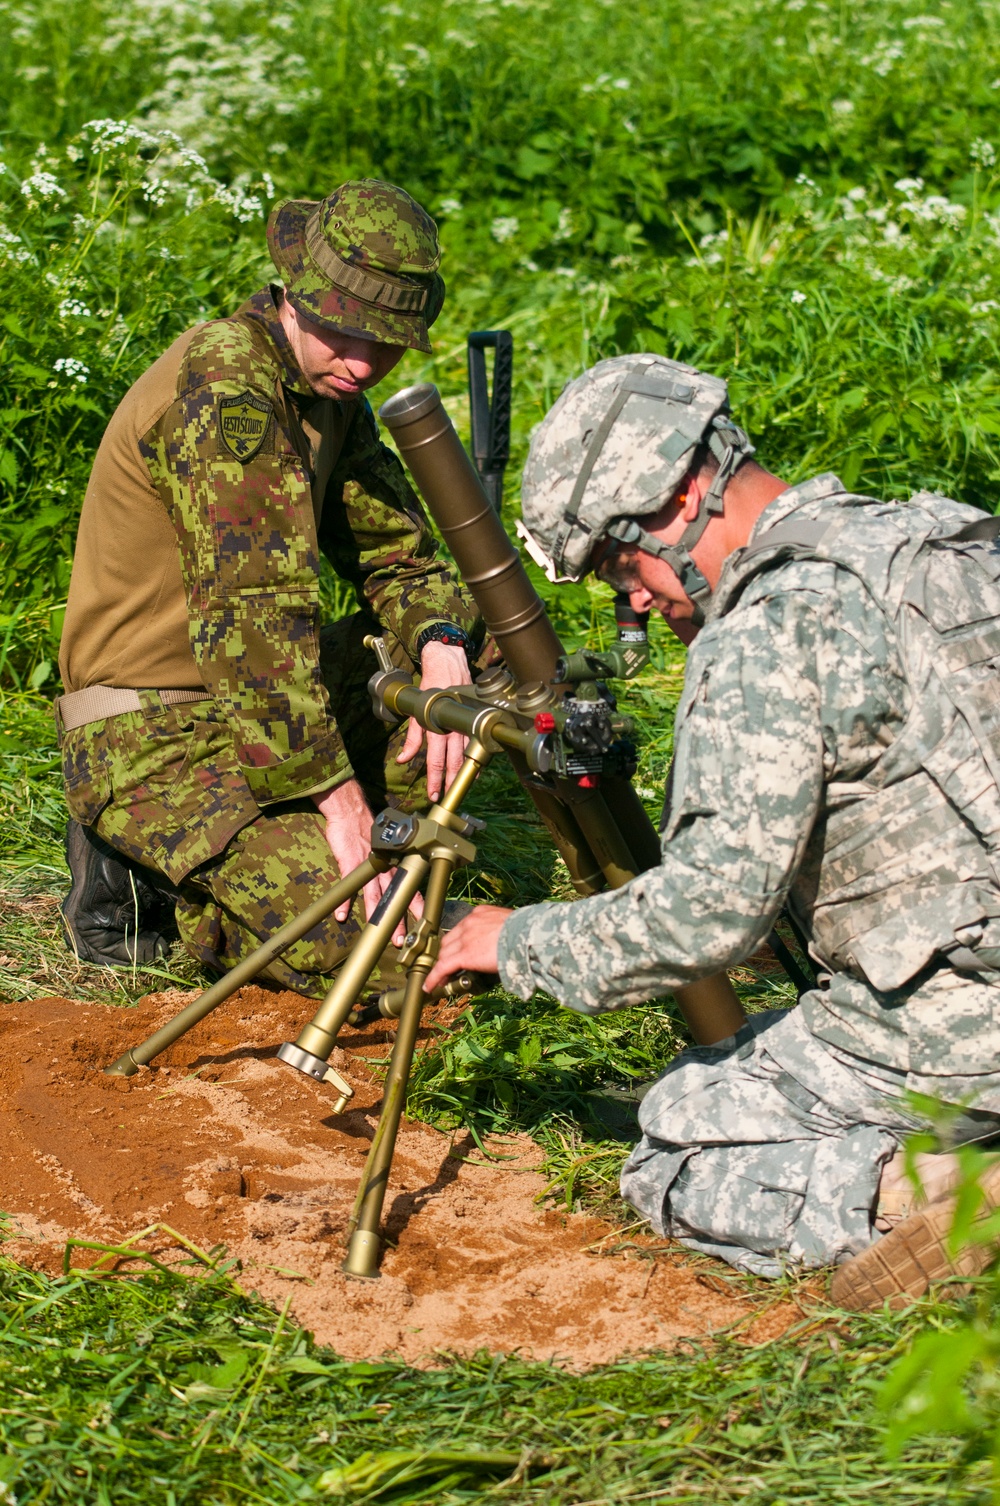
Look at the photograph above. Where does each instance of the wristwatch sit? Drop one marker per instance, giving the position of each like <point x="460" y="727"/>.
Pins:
<point x="445" y="632"/>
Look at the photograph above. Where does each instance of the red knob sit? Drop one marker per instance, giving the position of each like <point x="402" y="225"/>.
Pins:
<point x="545" y="722"/>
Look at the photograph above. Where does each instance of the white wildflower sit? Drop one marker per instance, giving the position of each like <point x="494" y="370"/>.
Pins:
<point x="450" y="206"/>
<point x="42" y="185"/>
<point x="70" y="367"/>
<point x="797" y="297"/>
<point x="883" y="58"/>
<point x="982" y="153"/>
<point x="909" y="186"/>
<point x="803" y="181"/>
<point x="278" y="148"/>
<point x="12" y="247"/>
<point x="565" y="271"/>
<point x="504" y="227"/>
<point x="242" y="205"/>
<point x="912" y="22"/>
<point x="935" y="209"/>
<point x="72" y="308"/>
<point x="843" y="107"/>
<point x="622" y="83"/>
<point x="564" y="229"/>
<point x="988" y="306"/>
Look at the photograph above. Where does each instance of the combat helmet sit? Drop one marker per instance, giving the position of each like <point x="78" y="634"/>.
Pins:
<point x="364" y="261"/>
<point x="614" y="448"/>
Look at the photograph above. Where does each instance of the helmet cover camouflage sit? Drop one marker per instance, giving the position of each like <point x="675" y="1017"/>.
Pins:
<point x="364" y="261"/>
<point x="616" y="445"/>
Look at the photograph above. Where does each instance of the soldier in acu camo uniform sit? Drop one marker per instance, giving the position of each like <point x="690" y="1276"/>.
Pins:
<point x="219" y="748"/>
<point x="837" y="750"/>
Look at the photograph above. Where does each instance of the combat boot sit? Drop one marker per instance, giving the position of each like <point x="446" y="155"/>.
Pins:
<point x="899" y="1267"/>
<point x="116" y="913"/>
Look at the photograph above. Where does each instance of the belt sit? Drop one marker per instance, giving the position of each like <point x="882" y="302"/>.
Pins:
<point x="98" y="702"/>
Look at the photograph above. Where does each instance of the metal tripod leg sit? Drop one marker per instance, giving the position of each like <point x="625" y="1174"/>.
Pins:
<point x="129" y="1063"/>
<point x="363" y="1250"/>
<point x="316" y="1040"/>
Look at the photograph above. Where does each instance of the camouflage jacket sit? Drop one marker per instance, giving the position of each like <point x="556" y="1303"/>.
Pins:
<point x="794" y="691"/>
<point x="248" y="522"/>
<point x="220" y="482"/>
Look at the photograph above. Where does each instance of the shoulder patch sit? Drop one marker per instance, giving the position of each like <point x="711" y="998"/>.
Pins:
<point x="243" y="424"/>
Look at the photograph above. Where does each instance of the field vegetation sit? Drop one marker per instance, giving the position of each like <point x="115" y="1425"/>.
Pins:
<point x="801" y="195"/>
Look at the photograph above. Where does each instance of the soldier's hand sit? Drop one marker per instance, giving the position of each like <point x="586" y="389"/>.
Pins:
<point x="441" y="665"/>
<point x="471" y="945"/>
<point x="348" y="831"/>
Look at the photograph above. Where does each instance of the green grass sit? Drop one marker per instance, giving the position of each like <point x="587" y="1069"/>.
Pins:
<point x="171" y="1390"/>
<point x="734" y="186"/>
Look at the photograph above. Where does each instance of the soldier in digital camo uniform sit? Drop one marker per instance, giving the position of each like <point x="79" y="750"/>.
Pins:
<point x="213" y="731"/>
<point x="837" y="750"/>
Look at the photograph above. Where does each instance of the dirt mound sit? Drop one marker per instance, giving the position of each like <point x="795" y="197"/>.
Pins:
<point x="229" y="1146"/>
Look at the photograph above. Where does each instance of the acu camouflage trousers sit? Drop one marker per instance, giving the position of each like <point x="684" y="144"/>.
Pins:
<point x="165" y="790"/>
<point x="766" y="1150"/>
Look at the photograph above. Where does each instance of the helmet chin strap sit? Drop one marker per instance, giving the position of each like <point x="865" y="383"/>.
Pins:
<point x="730" y="446"/>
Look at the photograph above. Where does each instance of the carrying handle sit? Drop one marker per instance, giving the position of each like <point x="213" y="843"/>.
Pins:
<point x="490" y="412"/>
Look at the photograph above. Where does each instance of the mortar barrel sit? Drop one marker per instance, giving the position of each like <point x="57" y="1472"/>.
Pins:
<point x="513" y="611"/>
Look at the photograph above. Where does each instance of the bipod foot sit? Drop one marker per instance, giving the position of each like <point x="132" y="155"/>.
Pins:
<point x="361" y="1260"/>
<point x="125" y="1066"/>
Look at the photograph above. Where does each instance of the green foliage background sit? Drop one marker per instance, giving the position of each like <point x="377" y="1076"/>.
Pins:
<point x="801" y="195"/>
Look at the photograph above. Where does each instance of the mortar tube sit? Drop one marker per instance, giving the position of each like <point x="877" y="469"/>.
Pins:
<point x="513" y="611"/>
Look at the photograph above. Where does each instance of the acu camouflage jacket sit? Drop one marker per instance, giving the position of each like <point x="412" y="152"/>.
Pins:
<point x="838" y="748"/>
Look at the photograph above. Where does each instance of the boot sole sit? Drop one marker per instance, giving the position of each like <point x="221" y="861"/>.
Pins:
<point x="900" y="1266"/>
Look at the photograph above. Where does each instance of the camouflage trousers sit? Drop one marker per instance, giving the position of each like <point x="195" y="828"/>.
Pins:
<point x="164" y="790"/>
<point x="766" y="1150"/>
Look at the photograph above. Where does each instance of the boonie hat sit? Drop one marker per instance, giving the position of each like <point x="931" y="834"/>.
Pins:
<point x="364" y="260"/>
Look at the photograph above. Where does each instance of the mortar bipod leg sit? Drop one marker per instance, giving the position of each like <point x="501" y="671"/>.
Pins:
<point x="311" y="1049"/>
<point x="140" y="1056"/>
<point x="363" y="1249"/>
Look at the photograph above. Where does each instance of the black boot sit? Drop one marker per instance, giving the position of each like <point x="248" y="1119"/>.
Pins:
<point x="116" y="913"/>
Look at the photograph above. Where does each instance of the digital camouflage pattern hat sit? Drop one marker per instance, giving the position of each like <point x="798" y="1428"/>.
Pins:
<point x="364" y="260"/>
<point x="614" y="447"/>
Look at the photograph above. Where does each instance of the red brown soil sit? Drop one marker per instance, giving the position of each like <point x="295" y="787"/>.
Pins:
<point x="227" y="1145"/>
